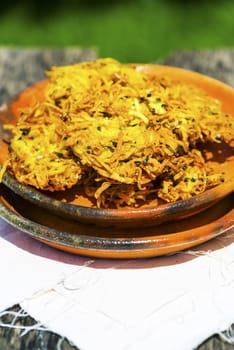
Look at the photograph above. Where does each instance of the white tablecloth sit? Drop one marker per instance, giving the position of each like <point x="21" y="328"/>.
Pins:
<point x="172" y="302"/>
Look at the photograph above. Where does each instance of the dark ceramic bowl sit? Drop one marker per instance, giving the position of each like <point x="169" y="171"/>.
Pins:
<point x="80" y="209"/>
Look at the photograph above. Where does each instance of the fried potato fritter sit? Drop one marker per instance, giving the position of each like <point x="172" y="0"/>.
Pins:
<point x="125" y="136"/>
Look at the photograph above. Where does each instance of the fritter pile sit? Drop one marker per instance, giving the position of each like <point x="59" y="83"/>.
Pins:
<point x="124" y="136"/>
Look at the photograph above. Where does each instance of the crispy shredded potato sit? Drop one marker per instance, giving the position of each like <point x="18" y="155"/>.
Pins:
<point x="125" y="136"/>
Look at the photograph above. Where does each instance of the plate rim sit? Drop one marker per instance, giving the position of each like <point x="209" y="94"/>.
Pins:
<point x="118" y="247"/>
<point x="27" y="192"/>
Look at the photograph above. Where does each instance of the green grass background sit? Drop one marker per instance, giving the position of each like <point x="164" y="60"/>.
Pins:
<point x="130" y="31"/>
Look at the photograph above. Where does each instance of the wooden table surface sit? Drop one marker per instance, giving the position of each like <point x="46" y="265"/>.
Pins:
<point x="14" y="76"/>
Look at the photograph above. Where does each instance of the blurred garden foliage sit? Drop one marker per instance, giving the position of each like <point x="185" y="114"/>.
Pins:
<point x="128" y="30"/>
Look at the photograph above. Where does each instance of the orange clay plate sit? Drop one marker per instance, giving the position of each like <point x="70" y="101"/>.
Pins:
<point x="117" y="243"/>
<point x="70" y="205"/>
